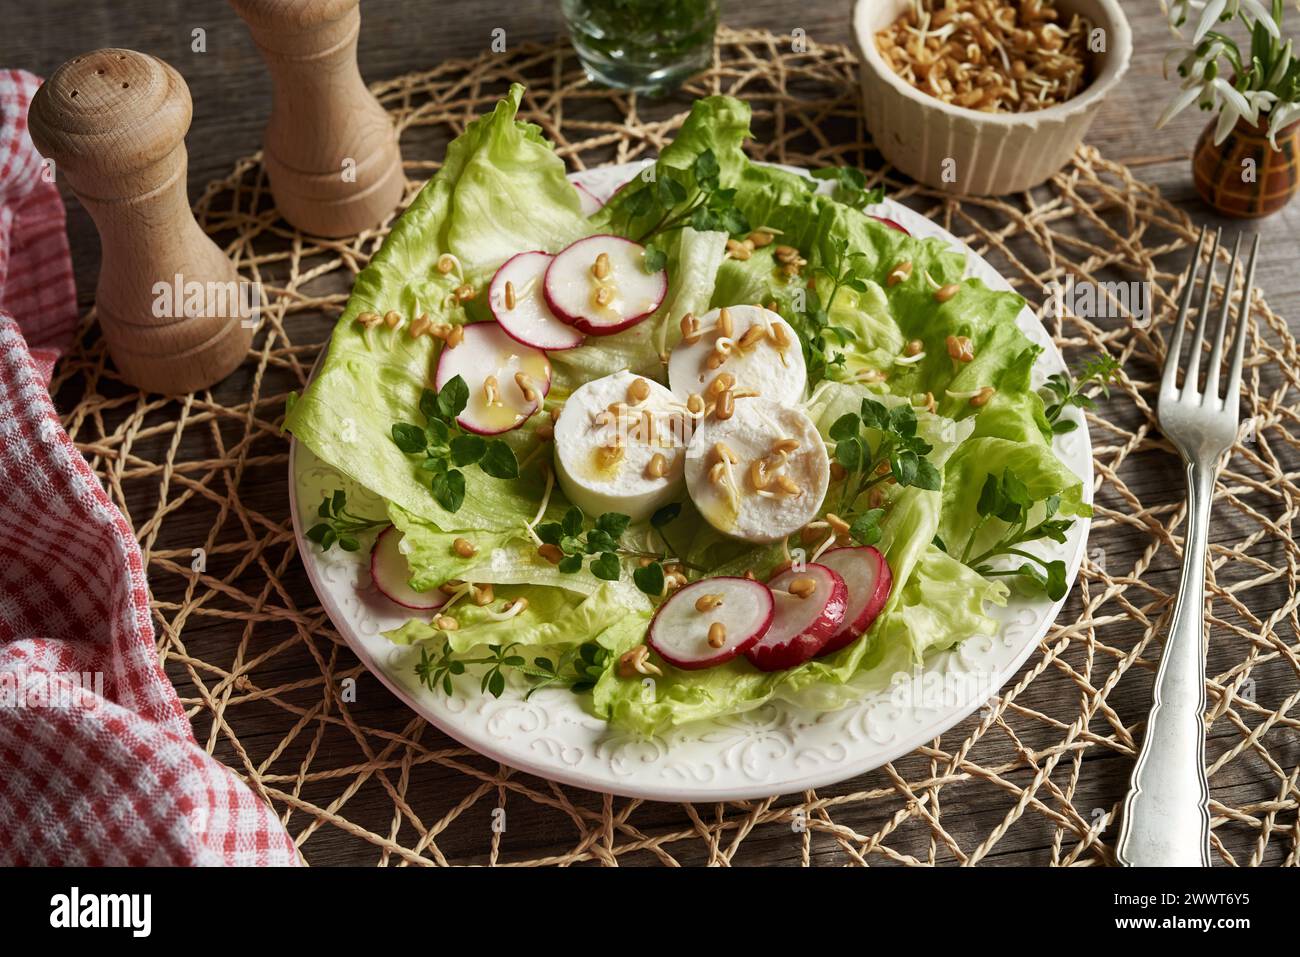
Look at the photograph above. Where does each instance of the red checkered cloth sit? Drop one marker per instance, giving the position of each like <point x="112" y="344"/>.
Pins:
<point x="98" y="764"/>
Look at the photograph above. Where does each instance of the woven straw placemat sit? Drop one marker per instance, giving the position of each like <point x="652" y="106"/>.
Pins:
<point x="1036" y="778"/>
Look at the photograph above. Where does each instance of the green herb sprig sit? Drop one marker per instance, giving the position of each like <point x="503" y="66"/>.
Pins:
<point x="1007" y="499"/>
<point x="447" y="448"/>
<point x="597" y="545"/>
<point x="850" y="186"/>
<point x="818" y="336"/>
<point x="577" y="668"/>
<point x="678" y="198"/>
<point x="340" y="526"/>
<point x="898" y="446"/>
<point x="1067" y="390"/>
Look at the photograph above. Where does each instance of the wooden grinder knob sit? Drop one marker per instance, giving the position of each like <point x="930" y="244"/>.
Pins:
<point x="114" y="124"/>
<point x="330" y="150"/>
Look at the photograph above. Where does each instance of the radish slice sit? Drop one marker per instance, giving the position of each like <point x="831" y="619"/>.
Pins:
<point x="487" y="353"/>
<point x="891" y="224"/>
<point x="389" y="571"/>
<point x="572" y="287"/>
<point x="680" y="630"/>
<point x="868" y="580"/>
<point x="529" y="320"/>
<point x="591" y="203"/>
<point x="801" y="627"/>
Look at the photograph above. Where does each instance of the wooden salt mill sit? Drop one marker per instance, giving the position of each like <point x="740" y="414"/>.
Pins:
<point x="330" y="150"/>
<point x="114" y="123"/>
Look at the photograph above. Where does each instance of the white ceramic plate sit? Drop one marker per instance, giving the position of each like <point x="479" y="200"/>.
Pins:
<point x="774" y="749"/>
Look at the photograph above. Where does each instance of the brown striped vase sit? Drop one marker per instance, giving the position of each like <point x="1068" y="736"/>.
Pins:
<point x="1229" y="181"/>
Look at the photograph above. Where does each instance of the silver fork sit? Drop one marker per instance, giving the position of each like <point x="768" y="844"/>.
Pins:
<point x="1166" y="813"/>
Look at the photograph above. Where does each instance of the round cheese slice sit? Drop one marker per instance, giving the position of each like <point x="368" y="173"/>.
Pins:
<point x="769" y="362"/>
<point x="607" y="444"/>
<point x="760" y="475"/>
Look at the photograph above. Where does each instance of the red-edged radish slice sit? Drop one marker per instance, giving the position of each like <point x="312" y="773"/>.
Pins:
<point x="681" y="627"/>
<point x="591" y="203"/>
<point x="490" y="361"/>
<point x="802" y="625"/>
<point x="389" y="572"/>
<point x="868" y="579"/>
<point x="524" y="314"/>
<point x="891" y="224"/>
<point x="604" y="304"/>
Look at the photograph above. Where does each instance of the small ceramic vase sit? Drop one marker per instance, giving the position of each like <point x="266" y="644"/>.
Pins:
<point x="1244" y="176"/>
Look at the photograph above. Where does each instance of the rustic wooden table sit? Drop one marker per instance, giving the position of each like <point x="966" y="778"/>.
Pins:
<point x="230" y="88"/>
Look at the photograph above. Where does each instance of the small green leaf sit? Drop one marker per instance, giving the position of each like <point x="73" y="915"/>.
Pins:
<point x="865" y="529"/>
<point x="904" y="465"/>
<point x="467" y="449"/>
<point x="572" y="522"/>
<point x="437" y="432"/>
<point x="452" y="398"/>
<point x="845" y="427"/>
<point x="613" y="524"/>
<point x="317" y="532"/>
<point x="706" y="169"/>
<point x="598" y="540"/>
<point x="348" y="543"/>
<point x="552" y="533"/>
<point x="654" y="259"/>
<point x="449" y="490"/>
<point x="499" y="460"/>
<point x="429" y="403"/>
<point x="848" y="452"/>
<point x="650" y="579"/>
<point x="990" y="500"/>
<point x="570" y="564"/>
<point x="927" y="476"/>
<point x="338" y="501"/>
<point x="409" y="438"/>
<point x="606" y="567"/>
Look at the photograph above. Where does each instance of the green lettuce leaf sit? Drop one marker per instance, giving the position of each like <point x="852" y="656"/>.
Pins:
<point x="501" y="190"/>
<point x="554" y="618"/>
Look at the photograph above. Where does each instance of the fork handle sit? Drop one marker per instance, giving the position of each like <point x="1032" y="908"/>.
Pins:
<point x="1166" y="813"/>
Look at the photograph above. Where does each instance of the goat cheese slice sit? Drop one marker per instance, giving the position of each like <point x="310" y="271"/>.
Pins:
<point x="767" y="361"/>
<point x="610" y="448"/>
<point x="760" y="475"/>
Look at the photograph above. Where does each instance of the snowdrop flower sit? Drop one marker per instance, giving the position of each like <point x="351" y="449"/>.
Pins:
<point x="1281" y="118"/>
<point x="1199" y="68"/>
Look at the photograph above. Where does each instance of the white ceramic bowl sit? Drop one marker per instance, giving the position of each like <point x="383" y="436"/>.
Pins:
<point x="994" y="153"/>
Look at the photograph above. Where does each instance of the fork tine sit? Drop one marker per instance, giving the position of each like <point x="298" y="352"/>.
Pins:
<point x="1193" y="373"/>
<point x="1170" y="377"/>
<point x="1243" y="314"/>
<point x="1216" y="351"/>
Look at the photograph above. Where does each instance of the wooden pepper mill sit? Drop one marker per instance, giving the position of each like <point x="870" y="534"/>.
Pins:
<point x="330" y="150"/>
<point x="168" y="300"/>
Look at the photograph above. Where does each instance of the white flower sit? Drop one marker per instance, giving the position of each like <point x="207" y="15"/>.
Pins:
<point x="1209" y="17"/>
<point x="1179" y="103"/>
<point x="1280" y="119"/>
<point x="1232" y="97"/>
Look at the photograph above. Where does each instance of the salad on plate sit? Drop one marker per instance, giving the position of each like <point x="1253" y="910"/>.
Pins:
<point x="719" y="439"/>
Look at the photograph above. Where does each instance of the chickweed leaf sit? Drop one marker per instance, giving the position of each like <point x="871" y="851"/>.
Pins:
<point x="650" y="579"/>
